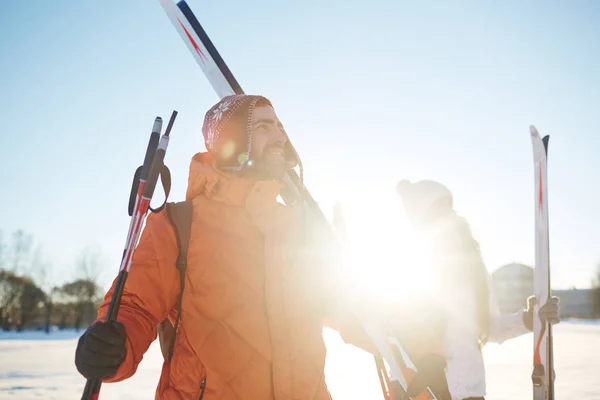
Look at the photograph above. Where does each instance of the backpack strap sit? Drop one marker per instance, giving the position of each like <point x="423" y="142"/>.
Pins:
<point x="180" y="215"/>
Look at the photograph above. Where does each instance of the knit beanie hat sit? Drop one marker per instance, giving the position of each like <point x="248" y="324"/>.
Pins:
<point x="227" y="131"/>
<point x="419" y="197"/>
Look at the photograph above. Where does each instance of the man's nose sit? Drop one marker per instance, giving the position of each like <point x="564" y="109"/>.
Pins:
<point x="279" y="137"/>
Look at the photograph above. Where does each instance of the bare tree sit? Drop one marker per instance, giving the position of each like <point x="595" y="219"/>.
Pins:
<point x="15" y="260"/>
<point x="20" y="252"/>
<point x="85" y="296"/>
<point x="20" y="298"/>
<point x="85" y="290"/>
<point x="64" y="306"/>
<point x="29" y="301"/>
<point x="88" y="265"/>
<point x="596" y="291"/>
<point x="42" y="273"/>
<point x="2" y="253"/>
<point x="3" y="285"/>
<point x="9" y="294"/>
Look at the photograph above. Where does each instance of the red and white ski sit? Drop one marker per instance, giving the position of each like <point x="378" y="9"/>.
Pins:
<point x="543" y="364"/>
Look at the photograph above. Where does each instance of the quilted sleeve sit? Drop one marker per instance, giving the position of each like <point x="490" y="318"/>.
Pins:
<point x="150" y="292"/>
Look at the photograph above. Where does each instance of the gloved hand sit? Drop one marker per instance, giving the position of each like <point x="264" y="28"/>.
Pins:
<point x="549" y="312"/>
<point x="101" y="349"/>
<point x="431" y="372"/>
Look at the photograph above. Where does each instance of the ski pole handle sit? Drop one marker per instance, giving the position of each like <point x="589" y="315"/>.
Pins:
<point x="141" y="174"/>
<point x="151" y="149"/>
<point x="159" y="157"/>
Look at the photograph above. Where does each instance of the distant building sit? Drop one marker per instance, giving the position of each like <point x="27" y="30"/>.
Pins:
<point x="575" y="303"/>
<point x="513" y="284"/>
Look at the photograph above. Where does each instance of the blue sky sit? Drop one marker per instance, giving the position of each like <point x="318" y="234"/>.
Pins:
<point x="370" y="94"/>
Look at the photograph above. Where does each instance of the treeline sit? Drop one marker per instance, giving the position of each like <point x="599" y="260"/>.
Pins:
<point x="30" y="297"/>
<point x="596" y="291"/>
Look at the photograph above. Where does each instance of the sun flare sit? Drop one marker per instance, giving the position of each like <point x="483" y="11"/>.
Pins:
<point x="385" y="261"/>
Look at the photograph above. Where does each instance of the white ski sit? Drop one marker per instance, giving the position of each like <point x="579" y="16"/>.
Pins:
<point x="543" y="366"/>
<point x="224" y="84"/>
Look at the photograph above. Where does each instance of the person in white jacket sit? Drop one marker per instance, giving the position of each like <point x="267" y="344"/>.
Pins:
<point x="463" y="286"/>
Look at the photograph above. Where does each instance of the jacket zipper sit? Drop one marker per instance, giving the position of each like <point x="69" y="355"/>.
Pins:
<point x="202" y="388"/>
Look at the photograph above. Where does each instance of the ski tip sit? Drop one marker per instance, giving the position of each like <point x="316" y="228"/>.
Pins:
<point x="157" y="127"/>
<point x="533" y="131"/>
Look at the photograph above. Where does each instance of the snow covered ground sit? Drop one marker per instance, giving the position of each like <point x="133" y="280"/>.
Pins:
<point x="35" y="366"/>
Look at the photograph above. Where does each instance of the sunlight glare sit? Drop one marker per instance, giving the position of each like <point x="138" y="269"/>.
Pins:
<point x="385" y="261"/>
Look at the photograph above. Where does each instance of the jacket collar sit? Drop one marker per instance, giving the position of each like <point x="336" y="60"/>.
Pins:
<point x="205" y="178"/>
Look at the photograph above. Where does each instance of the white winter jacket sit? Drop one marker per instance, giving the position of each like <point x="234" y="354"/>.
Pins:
<point x="465" y="370"/>
<point x="452" y="246"/>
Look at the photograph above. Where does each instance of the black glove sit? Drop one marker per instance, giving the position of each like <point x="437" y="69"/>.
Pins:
<point x="431" y="372"/>
<point x="548" y="312"/>
<point x="101" y="349"/>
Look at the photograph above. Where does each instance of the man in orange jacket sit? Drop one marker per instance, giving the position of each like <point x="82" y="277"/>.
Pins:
<point x="257" y="290"/>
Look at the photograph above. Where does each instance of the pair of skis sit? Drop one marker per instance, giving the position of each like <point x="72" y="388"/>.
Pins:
<point x="542" y="376"/>
<point x="394" y="383"/>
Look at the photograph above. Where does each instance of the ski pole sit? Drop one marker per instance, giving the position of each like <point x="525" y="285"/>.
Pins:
<point x="144" y="188"/>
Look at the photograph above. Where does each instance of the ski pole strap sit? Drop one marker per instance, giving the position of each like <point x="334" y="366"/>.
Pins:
<point x="165" y="179"/>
